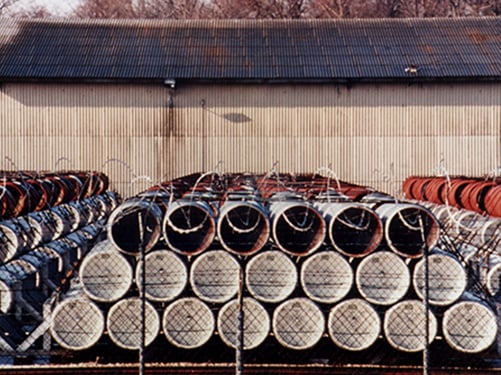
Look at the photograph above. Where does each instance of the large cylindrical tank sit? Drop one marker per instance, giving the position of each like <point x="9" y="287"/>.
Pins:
<point x="135" y="226"/>
<point x="298" y="228"/>
<point x="270" y="276"/>
<point x="447" y="278"/>
<point x="68" y="254"/>
<point x="69" y="216"/>
<point x="353" y="229"/>
<point x="188" y="323"/>
<point x="48" y="266"/>
<point x="326" y="277"/>
<point x="470" y="326"/>
<point x="215" y="276"/>
<point x="490" y="235"/>
<point x="408" y="228"/>
<point x="243" y="226"/>
<point x="353" y="324"/>
<point x="51" y="225"/>
<point x="105" y="274"/>
<point x="124" y="323"/>
<point x="382" y="278"/>
<point x="166" y="275"/>
<point x="20" y="279"/>
<point x="10" y="241"/>
<point x="18" y="236"/>
<point x="491" y="275"/>
<point x="405" y="326"/>
<point x="189" y="226"/>
<point x="77" y="323"/>
<point x="256" y="323"/>
<point x="298" y="323"/>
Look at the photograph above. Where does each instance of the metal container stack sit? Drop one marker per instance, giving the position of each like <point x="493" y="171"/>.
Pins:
<point x="305" y="257"/>
<point x="48" y="222"/>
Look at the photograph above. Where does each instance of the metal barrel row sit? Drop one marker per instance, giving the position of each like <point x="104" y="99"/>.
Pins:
<point x="463" y="207"/>
<point x="477" y="240"/>
<point x="247" y="213"/>
<point x="481" y="195"/>
<point x="22" y="192"/>
<point x="312" y="257"/>
<point x="191" y="300"/>
<point x="39" y="253"/>
<point x="22" y="234"/>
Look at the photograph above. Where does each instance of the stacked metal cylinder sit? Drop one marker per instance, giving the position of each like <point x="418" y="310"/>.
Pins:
<point x="481" y="195"/>
<point x="48" y="223"/>
<point x="468" y="210"/>
<point x="474" y="233"/>
<point x="305" y="257"/>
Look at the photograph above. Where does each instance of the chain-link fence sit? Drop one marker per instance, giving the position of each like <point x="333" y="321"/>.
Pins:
<point x="247" y="270"/>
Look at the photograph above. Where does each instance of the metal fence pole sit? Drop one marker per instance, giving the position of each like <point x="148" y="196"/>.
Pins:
<point x="426" y="302"/>
<point x="239" y="353"/>
<point x="142" y="293"/>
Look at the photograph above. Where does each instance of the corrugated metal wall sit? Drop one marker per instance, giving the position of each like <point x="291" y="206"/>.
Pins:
<point x="369" y="134"/>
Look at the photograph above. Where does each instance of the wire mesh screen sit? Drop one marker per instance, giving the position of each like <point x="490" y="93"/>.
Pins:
<point x="253" y="268"/>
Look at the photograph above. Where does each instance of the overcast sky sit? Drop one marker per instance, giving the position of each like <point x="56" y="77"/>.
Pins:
<point x="58" y="7"/>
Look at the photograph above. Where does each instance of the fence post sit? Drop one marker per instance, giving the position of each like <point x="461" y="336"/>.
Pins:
<point x="142" y="295"/>
<point x="426" y="303"/>
<point x="239" y="353"/>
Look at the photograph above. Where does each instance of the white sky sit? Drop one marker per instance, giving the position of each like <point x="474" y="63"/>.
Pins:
<point x="57" y="7"/>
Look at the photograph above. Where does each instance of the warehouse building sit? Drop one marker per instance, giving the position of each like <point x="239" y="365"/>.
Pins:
<point x="144" y="101"/>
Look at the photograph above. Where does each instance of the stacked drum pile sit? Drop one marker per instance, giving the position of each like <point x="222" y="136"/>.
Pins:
<point x="469" y="211"/>
<point x="47" y="223"/>
<point x="481" y="195"/>
<point x="305" y="257"/>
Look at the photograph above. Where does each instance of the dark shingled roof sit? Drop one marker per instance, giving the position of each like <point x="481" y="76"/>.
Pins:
<point x="247" y="50"/>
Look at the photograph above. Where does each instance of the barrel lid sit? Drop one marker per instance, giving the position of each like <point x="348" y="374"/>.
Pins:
<point x="215" y="276"/>
<point x="270" y="276"/>
<point x="469" y="326"/>
<point x="298" y="323"/>
<point x="105" y="275"/>
<point x="353" y="324"/>
<point x="382" y="278"/>
<point x="404" y="326"/>
<point x="256" y="325"/>
<point x="326" y="277"/>
<point x="123" y="323"/>
<point x="166" y="275"/>
<point x="6" y="292"/>
<point x="447" y="279"/>
<point x="77" y="324"/>
<point x="188" y="323"/>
